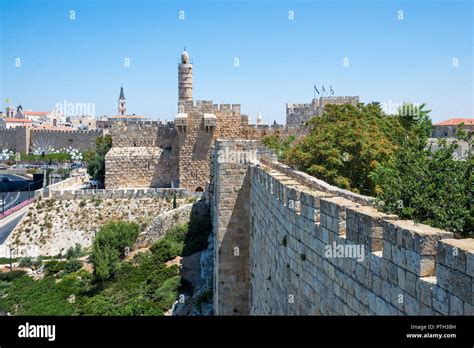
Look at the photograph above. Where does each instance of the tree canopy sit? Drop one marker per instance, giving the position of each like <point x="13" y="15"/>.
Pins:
<point x="362" y="149"/>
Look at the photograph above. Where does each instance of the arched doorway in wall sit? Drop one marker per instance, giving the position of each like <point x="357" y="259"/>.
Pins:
<point x="199" y="189"/>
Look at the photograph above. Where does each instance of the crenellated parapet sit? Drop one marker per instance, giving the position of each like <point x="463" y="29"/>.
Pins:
<point x="315" y="249"/>
<point x="298" y="114"/>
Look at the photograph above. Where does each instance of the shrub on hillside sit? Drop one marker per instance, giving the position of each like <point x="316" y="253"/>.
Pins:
<point x="25" y="262"/>
<point x="72" y="266"/>
<point x="9" y="276"/>
<point x="74" y="252"/>
<point x="168" y="292"/>
<point x="110" y="244"/>
<point x="54" y="266"/>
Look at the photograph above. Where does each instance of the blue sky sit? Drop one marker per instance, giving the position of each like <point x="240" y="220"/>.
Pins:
<point x="390" y="60"/>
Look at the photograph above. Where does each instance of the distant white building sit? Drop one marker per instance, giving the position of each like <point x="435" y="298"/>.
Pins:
<point x="82" y="122"/>
<point x="460" y="153"/>
<point x="9" y="122"/>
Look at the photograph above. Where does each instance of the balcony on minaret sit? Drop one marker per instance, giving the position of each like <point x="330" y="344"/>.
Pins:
<point x="181" y="122"/>
<point x="210" y="121"/>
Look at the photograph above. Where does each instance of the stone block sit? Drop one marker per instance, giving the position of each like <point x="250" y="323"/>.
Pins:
<point x="470" y="263"/>
<point x="410" y="283"/>
<point x="384" y="269"/>
<point x="426" y="310"/>
<point x="458" y="254"/>
<point x="398" y="298"/>
<point x="440" y="300"/>
<point x="401" y="275"/>
<point x="411" y="305"/>
<point x="398" y="256"/>
<point x="393" y="273"/>
<point x="456" y="306"/>
<point x="420" y="265"/>
<point x="457" y="283"/>
<point x="468" y="309"/>
<point x="424" y="290"/>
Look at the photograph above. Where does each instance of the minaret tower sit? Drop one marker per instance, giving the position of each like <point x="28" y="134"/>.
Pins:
<point x="185" y="78"/>
<point x="122" y="108"/>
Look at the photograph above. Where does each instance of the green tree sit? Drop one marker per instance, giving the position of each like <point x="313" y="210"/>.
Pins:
<point x="111" y="243"/>
<point x="345" y="144"/>
<point x="74" y="252"/>
<point x="431" y="187"/>
<point x="280" y="145"/>
<point x="96" y="159"/>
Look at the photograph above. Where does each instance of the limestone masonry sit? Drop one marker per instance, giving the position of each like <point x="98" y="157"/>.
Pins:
<point x="298" y="114"/>
<point x="176" y="154"/>
<point x="289" y="244"/>
<point x="26" y="139"/>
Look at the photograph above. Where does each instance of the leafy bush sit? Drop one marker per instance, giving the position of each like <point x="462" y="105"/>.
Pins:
<point x="167" y="293"/>
<point x="433" y="188"/>
<point x="29" y="297"/>
<point x="54" y="266"/>
<point x="72" y="266"/>
<point x="110" y="244"/>
<point x="74" y="252"/>
<point x="9" y="276"/>
<point x="345" y="144"/>
<point x="25" y="262"/>
<point x="360" y="148"/>
<point x="6" y="260"/>
<point x="166" y="249"/>
<point x="96" y="160"/>
<point x="3" y="287"/>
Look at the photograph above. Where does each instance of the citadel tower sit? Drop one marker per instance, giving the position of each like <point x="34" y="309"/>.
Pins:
<point x="122" y="108"/>
<point x="185" y="78"/>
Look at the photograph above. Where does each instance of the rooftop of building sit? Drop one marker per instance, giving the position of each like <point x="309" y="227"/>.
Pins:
<point x="17" y="120"/>
<point x="456" y="121"/>
<point x="36" y="113"/>
<point x="127" y="116"/>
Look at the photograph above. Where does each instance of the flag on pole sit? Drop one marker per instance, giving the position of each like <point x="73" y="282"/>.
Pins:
<point x="332" y="91"/>
<point x="316" y="89"/>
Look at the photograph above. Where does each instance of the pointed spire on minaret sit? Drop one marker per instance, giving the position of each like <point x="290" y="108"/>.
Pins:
<point x="122" y="107"/>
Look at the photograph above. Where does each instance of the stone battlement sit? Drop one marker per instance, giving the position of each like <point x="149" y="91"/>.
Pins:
<point x="207" y="106"/>
<point x="308" y="248"/>
<point x="97" y="132"/>
<point x="298" y="114"/>
<point x="23" y="139"/>
<point x="119" y="193"/>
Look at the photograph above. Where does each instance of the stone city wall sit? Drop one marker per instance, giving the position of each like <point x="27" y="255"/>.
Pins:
<point x="195" y="140"/>
<point x="119" y="193"/>
<point x="141" y="133"/>
<point x="81" y="140"/>
<point x="15" y="139"/>
<point x="140" y="167"/>
<point x="24" y="139"/>
<point x="307" y="248"/>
